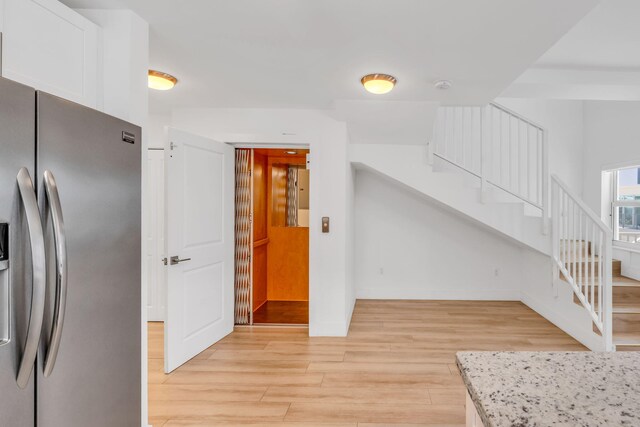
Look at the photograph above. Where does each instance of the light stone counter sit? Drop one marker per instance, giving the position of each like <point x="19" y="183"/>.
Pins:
<point x="518" y="389"/>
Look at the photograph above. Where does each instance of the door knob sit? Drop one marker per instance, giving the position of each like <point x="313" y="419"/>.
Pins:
<point x="176" y="260"/>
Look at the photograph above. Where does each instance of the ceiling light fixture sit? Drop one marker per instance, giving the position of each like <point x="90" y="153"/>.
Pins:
<point x="378" y="83"/>
<point x="291" y="152"/>
<point x="161" y="81"/>
<point x="442" y="84"/>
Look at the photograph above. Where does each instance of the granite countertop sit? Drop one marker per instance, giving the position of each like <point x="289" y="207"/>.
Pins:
<point x="518" y="389"/>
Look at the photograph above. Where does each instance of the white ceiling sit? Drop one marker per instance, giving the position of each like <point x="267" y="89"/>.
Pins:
<point x="608" y="37"/>
<point x="294" y="53"/>
<point x="599" y="59"/>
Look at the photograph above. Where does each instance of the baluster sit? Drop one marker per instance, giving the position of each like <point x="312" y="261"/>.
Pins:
<point x="585" y="262"/>
<point x="545" y="182"/>
<point x="446" y="135"/>
<point x="600" y="277"/>
<point x="565" y="243"/>
<point x="526" y="164"/>
<point x="452" y="133"/>
<point x="456" y="139"/>
<point x="569" y="242"/>
<point x="520" y="168"/>
<point x="561" y="224"/>
<point x="575" y="244"/>
<point x="500" y="114"/>
<point x="464" y="131"/>
<point x="539" y="167"/>
<point x="578" y="253"/>
<point x="567" y="232"/>
<point x="508" y="153"/>
<point x="509" y="150"/>
<point x="593" y="261"/>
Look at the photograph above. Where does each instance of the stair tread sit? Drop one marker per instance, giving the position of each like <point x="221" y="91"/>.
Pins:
<point x="625" y="281"/>
<point x="619" y="281"/>
<point x="626" y="308"/>
<point x="626" y="338"/>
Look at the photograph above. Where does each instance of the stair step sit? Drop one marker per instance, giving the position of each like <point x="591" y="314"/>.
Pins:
<point x="616" y="265"/>
<point x="626" y="309"/>
<point x="627" y="341"/>
<point x="626" y="319"/>
<point x="617" y="281"/>
<point x="625" y="291"/>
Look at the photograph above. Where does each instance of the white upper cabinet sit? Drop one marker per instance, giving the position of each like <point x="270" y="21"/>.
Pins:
<point x="49" y="46"/>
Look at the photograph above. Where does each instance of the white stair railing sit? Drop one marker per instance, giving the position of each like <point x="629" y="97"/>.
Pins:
<point x="581" y="244"/>
<point x="498" y="146"/>
<point x="510" y="152"/>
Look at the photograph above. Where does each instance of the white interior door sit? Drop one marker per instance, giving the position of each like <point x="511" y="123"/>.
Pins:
<point x="154" y="245"/>
<point x="199" y="183"/>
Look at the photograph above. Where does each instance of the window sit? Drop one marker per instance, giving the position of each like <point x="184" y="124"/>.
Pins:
<point x="625" y="207"/>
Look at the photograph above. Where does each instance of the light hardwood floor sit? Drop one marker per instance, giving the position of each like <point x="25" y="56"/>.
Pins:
<point x="395" y="368"/>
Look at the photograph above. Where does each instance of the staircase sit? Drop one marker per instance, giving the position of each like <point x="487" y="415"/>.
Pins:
<point x="626" y="312"/>
<point x="625" y="295"/>
<point x="490" y="164"/>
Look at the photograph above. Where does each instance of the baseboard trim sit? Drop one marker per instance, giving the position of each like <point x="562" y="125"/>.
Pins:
<point x="433" y="294"/>
<point x="328" y="329"/>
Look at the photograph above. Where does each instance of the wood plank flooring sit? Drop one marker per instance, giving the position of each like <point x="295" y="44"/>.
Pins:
<point x="395" y="368"/>
<point x="283" y="312"/>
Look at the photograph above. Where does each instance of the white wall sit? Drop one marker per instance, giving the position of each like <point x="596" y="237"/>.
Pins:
<point x="427" y="252"/>
<point x="155" y="129"/>
<point x="612" y="140"/>
<point x="563" y="121"/>
<point x="409" y="247"/>
<point x="330" y="287"/>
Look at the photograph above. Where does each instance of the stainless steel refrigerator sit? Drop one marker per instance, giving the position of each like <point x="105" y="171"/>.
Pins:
<point x="70" y="191"/>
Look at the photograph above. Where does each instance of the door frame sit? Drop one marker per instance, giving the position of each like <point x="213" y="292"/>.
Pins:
<point x="155" y="190"/>
<point x="278" y="141"/>
<point x="273" y="146"/>
<point x="277" y="146"/>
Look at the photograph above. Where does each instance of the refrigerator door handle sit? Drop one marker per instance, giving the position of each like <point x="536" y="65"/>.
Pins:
<point x="36" y="240"/>
<point x="60" y="243"/>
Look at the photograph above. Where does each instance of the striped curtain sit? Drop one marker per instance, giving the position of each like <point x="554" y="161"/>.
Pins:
<point x="292" y="196"/>
<point x="243" y="238"/>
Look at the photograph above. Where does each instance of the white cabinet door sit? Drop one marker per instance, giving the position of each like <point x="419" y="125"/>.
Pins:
<point x="51" y="47"/>
<point x="199" y="194"/>
<point x="156" y="281"/>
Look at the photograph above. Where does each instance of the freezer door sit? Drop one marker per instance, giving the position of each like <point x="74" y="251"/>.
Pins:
<point x="96" y="162"/>
<point x="17" y="150"/>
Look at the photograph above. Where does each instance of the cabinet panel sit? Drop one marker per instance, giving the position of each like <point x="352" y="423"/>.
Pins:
<point x="51" y="47"/>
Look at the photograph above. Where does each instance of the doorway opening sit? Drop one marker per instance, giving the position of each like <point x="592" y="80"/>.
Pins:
<point x="272" y="236"/>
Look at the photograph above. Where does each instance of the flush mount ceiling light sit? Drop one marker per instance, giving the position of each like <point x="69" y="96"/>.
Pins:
<point x="291" y="152"/>
<point x="378" y="83"/>
<point x="161" y="81"/>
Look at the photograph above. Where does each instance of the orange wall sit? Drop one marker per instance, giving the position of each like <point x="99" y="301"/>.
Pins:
<point x="288" y="248"/>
